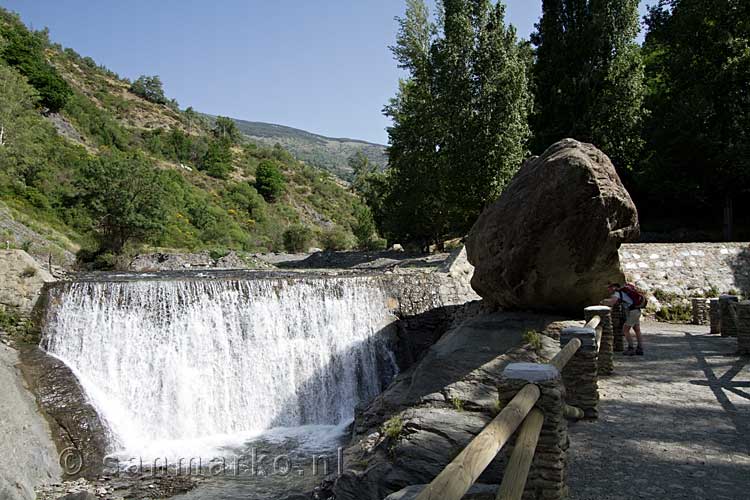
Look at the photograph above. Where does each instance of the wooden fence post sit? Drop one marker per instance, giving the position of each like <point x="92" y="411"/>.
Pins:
<point x="548" y="473"/>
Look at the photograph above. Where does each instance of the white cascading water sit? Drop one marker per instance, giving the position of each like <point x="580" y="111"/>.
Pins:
<point x="176" y="362"/>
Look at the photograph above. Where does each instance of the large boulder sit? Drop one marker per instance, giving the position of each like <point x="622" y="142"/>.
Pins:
<point x="550" y="241"/>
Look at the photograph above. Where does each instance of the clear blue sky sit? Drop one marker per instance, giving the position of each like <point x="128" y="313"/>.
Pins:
<point x="322" y="66"/>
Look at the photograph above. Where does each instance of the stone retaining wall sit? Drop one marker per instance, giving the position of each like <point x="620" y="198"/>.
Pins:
<point x="687" y="268"/>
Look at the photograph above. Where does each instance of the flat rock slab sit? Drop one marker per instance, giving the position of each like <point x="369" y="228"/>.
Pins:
<point x="674" y="423"/>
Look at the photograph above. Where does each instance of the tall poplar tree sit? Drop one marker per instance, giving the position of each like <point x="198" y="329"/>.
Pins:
<point x="588" y="76"/>
<point x="459" y="120"/>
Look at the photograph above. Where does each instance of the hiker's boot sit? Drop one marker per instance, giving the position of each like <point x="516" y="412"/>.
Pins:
<point x="639" y="351"/>
<point x="629" y="351"/>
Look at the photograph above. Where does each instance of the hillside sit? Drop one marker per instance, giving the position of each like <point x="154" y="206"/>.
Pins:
<point x="94" y="162"/>
<point x="330" y="154"/>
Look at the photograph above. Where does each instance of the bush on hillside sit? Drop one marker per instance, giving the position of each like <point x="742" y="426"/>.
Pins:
<point x="297" y="238"/>
<point x="269" y="181"/>
<point x="217" y="162"/>
<point x="336" y="240"/>
<point x="24" y="50"/>
<point x="149" y="88"/>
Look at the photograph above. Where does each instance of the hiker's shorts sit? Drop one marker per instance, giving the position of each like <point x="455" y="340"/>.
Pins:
<point x="633" y="317"/>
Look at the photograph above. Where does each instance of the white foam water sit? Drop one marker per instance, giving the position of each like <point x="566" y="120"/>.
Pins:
<point x="186" y="367"/>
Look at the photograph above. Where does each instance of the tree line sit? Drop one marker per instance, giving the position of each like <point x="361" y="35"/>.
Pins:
<point x="673" y="113"/>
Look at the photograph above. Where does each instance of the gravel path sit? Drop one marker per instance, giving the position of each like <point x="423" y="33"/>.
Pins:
<point x="674" y="423"/>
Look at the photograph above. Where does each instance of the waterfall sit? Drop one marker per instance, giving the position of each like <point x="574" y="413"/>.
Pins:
<point x="175" y="361"/>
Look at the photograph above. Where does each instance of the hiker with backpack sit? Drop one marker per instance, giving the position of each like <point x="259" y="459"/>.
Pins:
<point x="633" y="301"/>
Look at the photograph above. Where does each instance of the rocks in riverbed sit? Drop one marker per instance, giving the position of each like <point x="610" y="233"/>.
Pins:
<point x="81" y="495"/>
<point x="550" y="241"/>
<point x="124" y="486"/>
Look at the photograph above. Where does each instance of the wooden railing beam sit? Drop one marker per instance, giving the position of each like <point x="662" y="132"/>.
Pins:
<point x="459" y="475"/>
<point x="517" y="470"/>
<point x="561" y="358"/>
<point x="593" y="322"/>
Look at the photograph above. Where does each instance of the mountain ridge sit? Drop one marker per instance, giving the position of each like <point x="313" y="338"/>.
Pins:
<point x="328" y="153"/>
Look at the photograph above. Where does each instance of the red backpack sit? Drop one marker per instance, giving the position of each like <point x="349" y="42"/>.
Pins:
<point x="638" y="298"/>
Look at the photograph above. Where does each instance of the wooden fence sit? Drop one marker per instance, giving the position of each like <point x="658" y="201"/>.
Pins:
<point x="459" y="476"/>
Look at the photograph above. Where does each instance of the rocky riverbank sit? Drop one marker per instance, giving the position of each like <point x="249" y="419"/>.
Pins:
<point x="28" y="451"/>
<point x="431" y="411"/>
<point x="119" y="488"/>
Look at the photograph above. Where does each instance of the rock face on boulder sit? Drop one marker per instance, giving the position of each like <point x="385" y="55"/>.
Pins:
<point x="550" y="241"/>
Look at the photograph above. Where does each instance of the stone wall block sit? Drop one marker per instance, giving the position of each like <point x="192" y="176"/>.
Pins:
<point x="618" y="320"/>
<point x="606" y="347"/>
<point x="700" y="311"/>
<point x="548" y="474"/>
<point x="580" y="375"/>
<point x="714" y="315"/>
<point x="728" y="310"/>
<point x="743" y="329"/>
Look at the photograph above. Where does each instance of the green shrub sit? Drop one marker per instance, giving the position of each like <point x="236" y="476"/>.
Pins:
<point x="245" y="198"/>
<point x="393" y="427"/>
<point x="28" y="272"/>
<point x="269" y="181"/>
<point x="675" y="313"/>
<point x="336" y="239"/>
<point x="534" y="339"/>
<point x="457" y="403"/>
<point x="363" y="227"/>
<point x="297" y="238"/>
<point x="217" y="162"/>
<point x="664" y="296"/>
<point x="218" y="253"/>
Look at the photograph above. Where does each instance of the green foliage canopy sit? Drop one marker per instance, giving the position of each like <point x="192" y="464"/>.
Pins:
<point x="149" y="88"/>
<point x="698" y="69"/>
<point x="459" y="121"/>
<point x="588" y="77"/>
<point x="24" y="50"/>
<point x="126" y="197"/>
